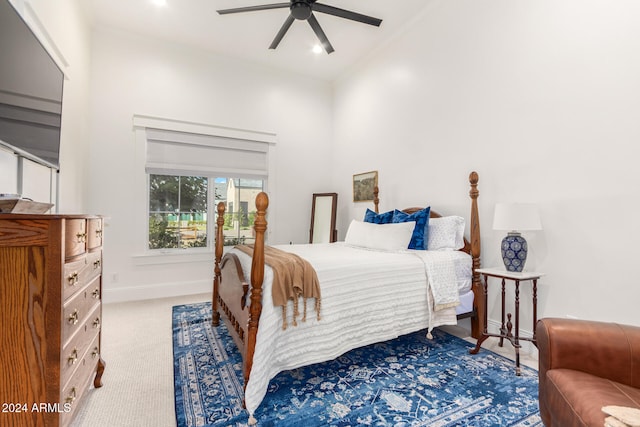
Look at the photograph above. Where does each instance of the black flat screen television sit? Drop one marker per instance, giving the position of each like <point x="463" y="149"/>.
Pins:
<point x="30" y="92"/>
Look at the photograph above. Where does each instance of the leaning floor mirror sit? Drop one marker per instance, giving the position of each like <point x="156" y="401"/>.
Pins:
<point x="323" y="218"/>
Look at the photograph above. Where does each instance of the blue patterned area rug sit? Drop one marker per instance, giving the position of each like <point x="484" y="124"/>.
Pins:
<point x="408" y="381"/>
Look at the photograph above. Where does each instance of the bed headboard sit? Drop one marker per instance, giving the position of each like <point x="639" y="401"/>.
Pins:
<point x="474" y="225"/>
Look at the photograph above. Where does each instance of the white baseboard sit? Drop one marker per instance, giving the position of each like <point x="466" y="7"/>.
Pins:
<point x="164" y="290"/>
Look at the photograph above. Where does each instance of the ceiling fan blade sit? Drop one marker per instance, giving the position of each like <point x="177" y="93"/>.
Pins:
<point x="346" y="14"/>
<point x="320" y="34"/>
<point x="254" y="8"/>
<point x="282" y="32"/>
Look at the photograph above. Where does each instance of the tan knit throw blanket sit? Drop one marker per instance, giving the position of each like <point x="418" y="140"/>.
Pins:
<point x="293" y="278"/>
<point x="620" y="416"/>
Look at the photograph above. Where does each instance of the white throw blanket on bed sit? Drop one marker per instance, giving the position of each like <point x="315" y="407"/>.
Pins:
<point x="439" y="267"/>
<point x="367" y="296"/>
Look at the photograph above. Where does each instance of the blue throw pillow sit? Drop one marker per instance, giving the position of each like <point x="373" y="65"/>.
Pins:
<point x="420" y="235"/>
<point x="375" y="218"/>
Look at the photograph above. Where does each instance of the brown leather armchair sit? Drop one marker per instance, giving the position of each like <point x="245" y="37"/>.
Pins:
<point x="583" y="366"/>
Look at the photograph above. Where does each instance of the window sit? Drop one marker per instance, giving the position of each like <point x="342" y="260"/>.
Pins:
<point x="190" y="167"/>
<point x="177" y="211"/>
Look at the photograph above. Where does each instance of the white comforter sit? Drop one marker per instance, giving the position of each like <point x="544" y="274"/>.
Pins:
<point x="367" y="297"/>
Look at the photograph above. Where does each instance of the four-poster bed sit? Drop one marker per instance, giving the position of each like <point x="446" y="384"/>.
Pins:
<point x="254" y="324"/>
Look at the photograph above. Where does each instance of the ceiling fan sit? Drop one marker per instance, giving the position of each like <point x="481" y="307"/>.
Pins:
<point x="303" y="11"/>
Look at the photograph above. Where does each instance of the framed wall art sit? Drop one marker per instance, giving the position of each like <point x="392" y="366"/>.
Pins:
<point x="363" y="184"/>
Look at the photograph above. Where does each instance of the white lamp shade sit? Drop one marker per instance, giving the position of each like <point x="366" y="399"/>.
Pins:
<point x="516" y="216"/>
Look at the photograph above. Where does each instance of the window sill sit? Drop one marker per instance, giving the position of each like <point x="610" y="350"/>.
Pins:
<point x="173" y="257"/>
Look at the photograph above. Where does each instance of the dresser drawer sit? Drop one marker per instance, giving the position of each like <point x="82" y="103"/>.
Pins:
<point x="75" y="237"/>
<point x="81" y="271"/>
<point x="73" y="391"/>
<point x="76" y="311"/>
<point x="84" y="343"/>
<point x="94" y="233"/>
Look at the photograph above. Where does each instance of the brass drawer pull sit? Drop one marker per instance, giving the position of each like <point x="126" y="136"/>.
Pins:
<point x="82" y="237"/>
<point x="73" y="278"/>
<point x="96" y="323"/>
<point x="74" y="317"/>
<point x="95" y="353"/>
<point x="73" y="358"/>
<point x="96" y="293"/>
<point x="72" y="396"/>
<point x="99" y="234"/>
<point x="96" y="264"/>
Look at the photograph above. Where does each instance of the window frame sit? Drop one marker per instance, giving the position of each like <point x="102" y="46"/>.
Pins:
<point x="140" y="205"/>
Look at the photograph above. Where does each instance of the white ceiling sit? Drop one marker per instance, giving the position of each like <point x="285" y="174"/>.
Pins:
<point x="248" y="35"/>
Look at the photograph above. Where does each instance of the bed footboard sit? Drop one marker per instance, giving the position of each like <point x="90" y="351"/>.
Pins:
<point x="232" y="299"/>
<point x="231" y="290"/>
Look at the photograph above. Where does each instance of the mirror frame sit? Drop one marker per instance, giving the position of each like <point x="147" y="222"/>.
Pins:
<point x="333" y="232"/>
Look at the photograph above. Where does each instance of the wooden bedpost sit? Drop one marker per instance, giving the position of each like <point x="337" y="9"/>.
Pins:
<point x="215" y="315"/>
<point x="376" y="200"/>
<point x="478" y="300"/>
<point x="257" y="277"/>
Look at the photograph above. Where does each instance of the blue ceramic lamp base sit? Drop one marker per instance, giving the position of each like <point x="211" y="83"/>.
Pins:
<point x="514" y="251"/>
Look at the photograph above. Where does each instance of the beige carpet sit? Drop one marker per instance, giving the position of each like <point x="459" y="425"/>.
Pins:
<point x="138" y="380"/>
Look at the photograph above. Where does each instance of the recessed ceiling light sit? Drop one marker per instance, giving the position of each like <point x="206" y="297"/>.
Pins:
<point x="317" y="49"/>
<point x="159" y="3"/>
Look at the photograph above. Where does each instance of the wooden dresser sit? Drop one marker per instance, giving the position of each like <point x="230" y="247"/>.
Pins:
<point x="50" y="316"/>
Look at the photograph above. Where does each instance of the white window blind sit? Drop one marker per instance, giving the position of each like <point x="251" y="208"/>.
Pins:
<point x="183" y="153"/>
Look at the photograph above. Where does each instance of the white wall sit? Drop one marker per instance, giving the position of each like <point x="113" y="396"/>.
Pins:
<point x="8" y="171"/>
<point x="38" y="181"/>
<point x="133" y="75"/>
<point x="542" y="98"/>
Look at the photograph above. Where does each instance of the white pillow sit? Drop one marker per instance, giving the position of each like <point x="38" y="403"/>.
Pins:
<point x="388" y="237"/>
<point x="446" y="233"/>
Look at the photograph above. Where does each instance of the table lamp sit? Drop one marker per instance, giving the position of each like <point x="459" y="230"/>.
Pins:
<point x="515" y="217"/>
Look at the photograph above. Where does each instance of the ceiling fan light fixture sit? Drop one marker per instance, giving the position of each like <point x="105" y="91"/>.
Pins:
<point x="317" y="49"/>
<point x="301" y="10"/>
